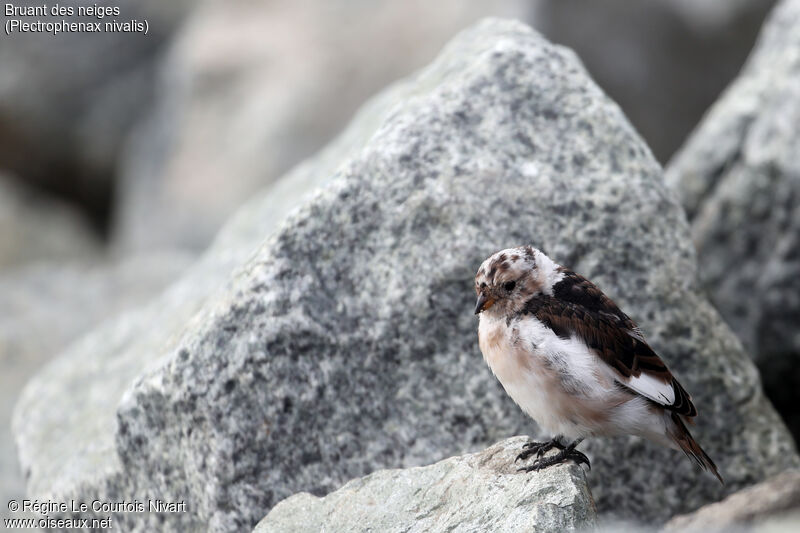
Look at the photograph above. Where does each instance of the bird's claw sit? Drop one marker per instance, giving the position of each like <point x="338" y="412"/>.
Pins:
<point x="562" y="456"/>
<point x="538" y="449"/>
<point x="579" y="458"/>
<point x="530" y="448"/>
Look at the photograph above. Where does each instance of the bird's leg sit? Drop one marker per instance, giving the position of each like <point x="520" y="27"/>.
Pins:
<point x="565" y="453"/>
<point x="540" y="448"/>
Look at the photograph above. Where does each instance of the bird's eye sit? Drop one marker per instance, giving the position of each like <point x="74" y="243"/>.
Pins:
<point x="509" y="285"/>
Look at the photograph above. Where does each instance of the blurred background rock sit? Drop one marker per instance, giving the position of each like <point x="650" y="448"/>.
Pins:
<point x="67" y="102"/>
<point x="663" y="61"/>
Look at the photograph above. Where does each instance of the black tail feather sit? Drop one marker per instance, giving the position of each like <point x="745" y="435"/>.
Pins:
<point x="693" y="450"/>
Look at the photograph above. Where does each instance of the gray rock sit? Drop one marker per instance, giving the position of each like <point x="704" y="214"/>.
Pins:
<point x="95" y="371"/>
<point x="46" y="305"/>
<point x="35" y="228"/>
<point x="249" y="89"/>
<point x="770" y="500"/>
<point x="739" y="178"/>
<point x="483" y="491"/>
<point x="67" y="100"/>
<point x="345" y="342"/>
<point x="663" y="61"/>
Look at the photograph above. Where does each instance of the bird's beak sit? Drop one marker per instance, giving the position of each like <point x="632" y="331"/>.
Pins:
<point x="484" y="302"/>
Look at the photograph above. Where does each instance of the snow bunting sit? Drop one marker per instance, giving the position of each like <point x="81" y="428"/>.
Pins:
<point x="573" y="361"/>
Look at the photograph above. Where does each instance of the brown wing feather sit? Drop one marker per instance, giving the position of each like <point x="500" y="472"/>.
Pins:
<point x="578" y="307"/>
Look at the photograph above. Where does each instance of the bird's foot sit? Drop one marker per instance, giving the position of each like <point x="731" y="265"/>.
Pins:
<point x="538" y="449"/>
<point x="566" y="454"/>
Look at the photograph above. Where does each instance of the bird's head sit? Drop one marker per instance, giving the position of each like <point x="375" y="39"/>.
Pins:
<point x="508" y="279"/>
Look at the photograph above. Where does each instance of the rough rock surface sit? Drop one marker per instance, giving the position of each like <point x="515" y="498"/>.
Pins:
<point x="67" y="100"/>
<point x="769" y="500"/>
<point x="121" y="348"/>
<point x="244" y="94"/>
<point x="33" y="227"/>
<point x="483" y="491"/>
<point x="46" y="305"/>
<point x="346" y="343"/>
<point x="663" y="61"/>
<point x="739" y="179"/>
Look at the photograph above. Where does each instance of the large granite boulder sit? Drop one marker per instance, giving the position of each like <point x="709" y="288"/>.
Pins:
<point x="663" y="61"/>
<point x="119" y="349"/>
<point x="739" y="179"/>
<point x="345" y="341"/>
<point x="251" y="88"/>
<point x="483" y="491"/>
<point x="46" y="305"/>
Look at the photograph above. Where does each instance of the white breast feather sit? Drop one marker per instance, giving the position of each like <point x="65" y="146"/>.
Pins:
<point x="518" y="360"/>
<point x="531" y="385"/>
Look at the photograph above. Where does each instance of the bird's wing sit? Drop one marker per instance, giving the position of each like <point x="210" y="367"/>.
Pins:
<point x="579" y="309"/>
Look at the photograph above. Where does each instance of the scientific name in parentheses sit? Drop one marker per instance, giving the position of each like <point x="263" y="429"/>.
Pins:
<point x="64" y="26"/>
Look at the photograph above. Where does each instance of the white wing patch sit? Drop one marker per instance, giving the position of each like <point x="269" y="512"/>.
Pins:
<point x="652" y="388"/>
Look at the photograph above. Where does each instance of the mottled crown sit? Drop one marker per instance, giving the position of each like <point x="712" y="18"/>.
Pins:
<point x="508" y="264"/>
<point x="509" y="278"/>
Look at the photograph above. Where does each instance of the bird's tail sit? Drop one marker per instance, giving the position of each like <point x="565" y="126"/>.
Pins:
<point x="690" y="447"/>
